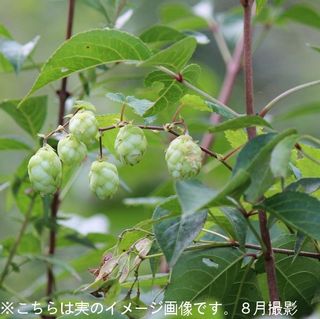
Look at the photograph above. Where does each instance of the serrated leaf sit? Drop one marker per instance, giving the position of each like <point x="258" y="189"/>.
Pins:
<point x="303" y="14"/>
<point x="175" y="232"/>
<point x="161" y="34"/>
<point x="280" y="156"/>
<point x="236" y="138"/>
<point x="17" y="53"/>
<point x="172" y="90"/>
<point x="305" y="185"/>
<point x="30" y="115"/>
<point x="254" y="158"/>
<point x="298" y="277"/>
<point x="174" y="57"/>
<point x="11" y="143"/>
<point x="298" y="210"/>
<point x="213" y="273"/>
<point x="240" y="122"/>
<point x="89" y="49"/>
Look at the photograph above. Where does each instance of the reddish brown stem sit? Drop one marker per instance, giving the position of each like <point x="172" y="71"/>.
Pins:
<point x="263" y="222"/>
<point x="63" y="95"/>
<point x="233" y="68"/>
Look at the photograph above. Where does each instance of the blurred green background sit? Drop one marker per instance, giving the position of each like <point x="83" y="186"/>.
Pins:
<point x="282" y="60"/>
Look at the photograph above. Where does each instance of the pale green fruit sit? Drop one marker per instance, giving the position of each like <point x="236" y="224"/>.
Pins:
<point x="71" y="151"/>
<point x="103" y="179"/>
<point x="184" y="157"/>
<point x="45" y="170"/>
<point x="84" y="126"/>
<point x="130" y="144"/>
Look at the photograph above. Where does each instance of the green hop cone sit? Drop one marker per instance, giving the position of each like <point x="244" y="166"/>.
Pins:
<point x="130" y="144"/>
<point x="84" y="126"/>
<point x="184" y="157"/>
<point x="71" y="150"/>
<point x="103" y="179"/>
<point x="45" y="170"/>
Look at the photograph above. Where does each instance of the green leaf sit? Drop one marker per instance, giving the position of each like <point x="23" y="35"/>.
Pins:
<point x="195" y="102"/>
<point x="174" y="57"/>
<point x="176" y="232"/>
<point x="298" y="277"/>
<point x="303" y="14"/>
<point x="199" y="275"/>
<point x="255" y="159"/>
<point x="161" y="34"/>
<point x="12" y="144"/>
<point x="181" y="17"/>
<point x="4" y="32"/>
<point x="217" y="108"/>
<point x="298" y="210"/>
<point x="305" y="185"/>
<point x="30" y="115"/>
<point x="148" y="281"/>
<point x="89" y="49"/>
<point x="239" y="122"/>
<point x="172" y="90"/>
<point x="17" y="53"/>
<point x="236" y="138"/>
<point x="232" y="221"/>
<point x="139" y="106"/>
<point x="143" y="201"/>
<point x="307" y="167"/>
<point x="280" y="156"/>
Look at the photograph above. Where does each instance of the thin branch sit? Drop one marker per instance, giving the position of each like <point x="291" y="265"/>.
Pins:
<point x="263" y="221"/>
<point x="166" y="129"/>
<point x="16" y="244"/>
<point x="272" y="103"/>
<point x="63" y="95"/>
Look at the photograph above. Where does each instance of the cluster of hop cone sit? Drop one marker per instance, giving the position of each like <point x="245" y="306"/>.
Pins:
<point x="183" y="156"/>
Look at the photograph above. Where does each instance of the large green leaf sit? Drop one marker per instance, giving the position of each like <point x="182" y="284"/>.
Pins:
<point x="306" y="185"/>
<point x="174" y="57"/>
<point x="175" y="232"/>
<point x="307" y="167"/>
<point x="30" y="115"/>
<point x="12" y="144"/>
<point x="298" y="277"/>
<point x="172" y="90"/>
<point x="240" y="122"/>
<point x="298" y="210"/>
<point x="255" y="159"/>
<point x="89" y="49"/>
<point x="303" y="14"/>
<point x="200" y="274"/>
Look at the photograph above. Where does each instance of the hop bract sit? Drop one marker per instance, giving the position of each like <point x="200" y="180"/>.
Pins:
<point x="71" y="150"/>
<point x="45" y="170"/>
<point x="103" y="179"/>
<point x="84" y="126"/>
<point x="130" y="144"/>
<point x="184" y="157"/>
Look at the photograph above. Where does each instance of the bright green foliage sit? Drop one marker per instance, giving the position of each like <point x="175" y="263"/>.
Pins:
<point x="130" y="144"/>
<point x="184" y="157"/>
<point x="71" y="151"/>
<point x="103" y="179"/>
<point x="84" y="127"/>
<point x="45" y="170"/>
